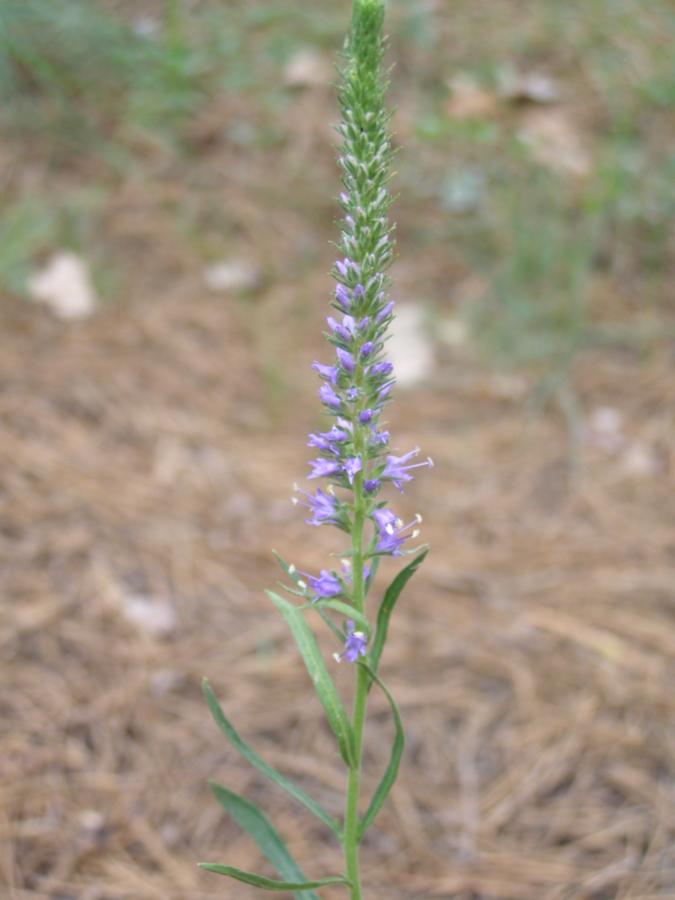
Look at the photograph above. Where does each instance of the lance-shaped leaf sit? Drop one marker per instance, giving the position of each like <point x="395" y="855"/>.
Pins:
<point x="344" y="609"/>
<point x="391" y="772"/>
<point x="325" y="689"/>
<point x="388" y="604"/>
<point x="268" y="884"/>
<point x="250" y="754"/>
<point x="256" y="823"/>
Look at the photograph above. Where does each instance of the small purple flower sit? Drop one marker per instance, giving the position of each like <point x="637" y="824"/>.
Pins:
<point x="366" y="416"/>
<point x="385" y="390"/>
<point x="379" y="438"/>
<point x="329" y="397"/>
<point x="355" y="645"/>
<point x="397" y="472"/>
<point x="342" y="296"/>
<point x="321" y="468"/>
<point x="352" y="393"/>
<point x="352" y="466"/>
<point x="345" y="331"/>
<point x="326" y="585"/>
<point x="359" y="291"/>
<point x="326" y="440"/>
<point x="344" y="265"/>
<point x="330" y="373"/>
<point x="392" y="533"/>
<point x="323" y="507"/>
<point x="346" y="360"/>
<point x="384" y="312"/>
<point x="381" y="369"/>
<point x="364" y="323"/>
<point x="367" y="349"/>
<point x="370" y="485"/>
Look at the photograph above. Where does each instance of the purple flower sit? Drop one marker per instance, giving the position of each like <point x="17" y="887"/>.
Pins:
<point x="370" y="485"/>
<point x="379" y="438"/>
<point x="325" y="440"/>
<point x="365" y="416"/>
<point x="359" y="291"/>
<point x="367" y="349"/>
<point x="321" y="468"/>
<point x="330" y="373"/>
<point x="352" y="466"/>
<point x="352" y="393"/>
<point x="355" y="645"/>
<point x="326" y="585"/>
<point x="381" y="369"/>
<point x="397" y="472"/>
<point x="384" y="312"/>
<point x="342" y="296"/>
<point x="323" y="507"/>
<point x="385" y="390"/>
<point x="329" y="397"/>
<point x="344" y="265"/>
<point x="346" y="360"/>
<point x="392" y="533"/>
<point x="345" y="331"/>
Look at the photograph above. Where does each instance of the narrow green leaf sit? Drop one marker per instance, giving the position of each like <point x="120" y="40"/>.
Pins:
<point x="268" y="884"/>
<point x="256" y="823"/>
<point x="388" y="604"/>
<point x="249" y="754"/>
<point x="391" y="772"/>
<point x="344" y="609"/>
<point x="325" y="689"/>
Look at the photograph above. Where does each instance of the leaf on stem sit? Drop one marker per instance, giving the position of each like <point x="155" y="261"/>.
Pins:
<point x="325" y="689"/>
<point x="388" y="604"/>
<point x="391" y="772"/>
<point x="250" y="754"/>
<point x="256" y="823"/>
<point x="344" y="609"/>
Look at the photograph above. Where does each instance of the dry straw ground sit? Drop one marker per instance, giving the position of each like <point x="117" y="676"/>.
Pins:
<point x="533" y="657"/>
<point x="147" y="457"/>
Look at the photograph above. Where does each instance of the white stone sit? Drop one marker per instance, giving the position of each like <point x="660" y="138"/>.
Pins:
<point x="64" y="285"/>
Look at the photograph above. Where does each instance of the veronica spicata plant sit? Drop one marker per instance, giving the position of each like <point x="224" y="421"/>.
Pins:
<point x="355" y="459"/>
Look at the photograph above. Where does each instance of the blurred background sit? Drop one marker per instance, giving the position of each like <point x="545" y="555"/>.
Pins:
<point x="168" y="185"/>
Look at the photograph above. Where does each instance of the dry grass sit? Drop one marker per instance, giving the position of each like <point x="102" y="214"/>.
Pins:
<point x="532" y="656"/>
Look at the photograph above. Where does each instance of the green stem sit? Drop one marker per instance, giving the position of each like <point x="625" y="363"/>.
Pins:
<point x="351" y="827"/>
<point x="351" y="842"/>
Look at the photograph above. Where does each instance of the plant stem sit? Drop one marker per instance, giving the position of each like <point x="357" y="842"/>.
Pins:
<point x="351" y="843"/>
<point x="351" y="839"/>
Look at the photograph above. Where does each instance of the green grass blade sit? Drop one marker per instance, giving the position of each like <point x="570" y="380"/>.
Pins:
<point x="249" y="754"/>
<point x="325" y="689"/>
<point x="268" y="884"/>
<point x="391" y="772"/>
<point x="388" y="604"/>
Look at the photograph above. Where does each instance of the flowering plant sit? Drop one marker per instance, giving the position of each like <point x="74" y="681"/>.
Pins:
<point x="355" y="458"/>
